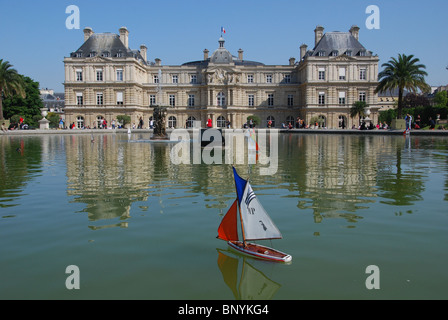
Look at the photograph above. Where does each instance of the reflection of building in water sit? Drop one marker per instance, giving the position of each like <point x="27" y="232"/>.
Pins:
<point x="340" y="174"/>
<point x="106" y="174"/>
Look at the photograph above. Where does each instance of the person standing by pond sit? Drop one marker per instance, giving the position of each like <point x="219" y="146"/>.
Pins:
<point x="408" y="120"/>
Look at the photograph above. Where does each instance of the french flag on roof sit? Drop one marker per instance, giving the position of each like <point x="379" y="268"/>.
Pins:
<point x="223" y="30"/>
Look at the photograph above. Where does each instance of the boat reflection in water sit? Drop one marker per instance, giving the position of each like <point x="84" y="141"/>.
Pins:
<point x="252" y="285"/>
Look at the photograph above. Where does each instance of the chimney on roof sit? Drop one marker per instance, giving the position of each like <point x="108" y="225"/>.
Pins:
<point x="206" y="54"/>
<point x="158" y="63"/>
<point x="303" y="49"/>
<point x="292" y="61"/>
<point x="240" y="54"/>
<point x="124" y="36"/>
<point x="354" y="30"/>
<point x="318" y="34"/>
<point x="143" y="52"/>
<point x="87" y="33"/>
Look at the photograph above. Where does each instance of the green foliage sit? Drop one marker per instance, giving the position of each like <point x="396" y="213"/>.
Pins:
<point x="255" y="120"/>
<point x="387" y="116"/>
<point x="26" y="107"/>
<point x="11" y="83"/>
<point x="124" y="120"/>
<point x="53" y="118"/>
<point x="441" y="98"/>
<point x="358" y="109"/>
<point x="403" y="73"/>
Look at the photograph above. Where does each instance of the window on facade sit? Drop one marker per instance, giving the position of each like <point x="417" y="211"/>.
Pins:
<point x="362" y="74"/>
<point x="119" y="54"/>
<point x="172" y="100"/>
<point x="79" y="99"/>
<point x="119" y="74"/>
<point x="269" y="78"/>
<point x="270" y="99"/>
<point x="321" y="74"/>
<point x="270" y="122"/>
<point x="250" y="78"/>
<point x="290" y="100"/>
<point x="92" y="54"/>
<point x="334" y="53"/>
<point x="251" y="100"/>
<point x="287" y="78"/>
<point x="193" y="79"/>
<point x="321" y="97"/>
<point x="362" y="96"/>
<point x="78" y="74"/>
<point x="362" y="53"/>
<point x="156" y="78"/>
<point x="80" y="122"/>
<point x="348" y="53"/>
<point x="221" y="122"/>
<point x="342" y="97"/>
<point x="99" y="98"/>
<point x="152" y="99"/>
<point x="342" y="122"/>
<point x="221" y="99"/>
<point x="341" y="73"/>
<point x="322" y="121"/>
<point x="191" y="100"/>
<point x="99" y="121"/>
<point x="321" y="54"/>
<point x="99" y="75"/>
<point x="190" y="121"/>
<point x="120" y="98"/>
<point x="290" y="120"/>
<point x="172" y="122"/>
<point x="78" y="55"/>
<point x="175" y="78"/>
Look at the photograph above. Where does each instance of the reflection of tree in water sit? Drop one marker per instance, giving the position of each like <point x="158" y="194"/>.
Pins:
<point x="400" y="184"/>
<point x="20" y="159"/>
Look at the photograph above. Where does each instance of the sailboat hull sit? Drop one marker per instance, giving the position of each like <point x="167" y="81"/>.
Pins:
<point x="261" y="252"/>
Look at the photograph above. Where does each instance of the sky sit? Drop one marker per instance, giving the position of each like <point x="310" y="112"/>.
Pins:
<point x="34" y="37"/>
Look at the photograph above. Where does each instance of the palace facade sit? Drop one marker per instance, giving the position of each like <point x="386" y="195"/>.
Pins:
<point x="104" y="79"/>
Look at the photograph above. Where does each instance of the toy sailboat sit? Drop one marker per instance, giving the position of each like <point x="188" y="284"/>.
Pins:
<point x="255" y="225"/>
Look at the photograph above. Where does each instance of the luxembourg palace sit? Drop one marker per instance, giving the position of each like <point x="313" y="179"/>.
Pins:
<point x="104" y="78"/>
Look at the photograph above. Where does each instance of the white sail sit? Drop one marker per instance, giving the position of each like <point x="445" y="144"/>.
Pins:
<point x="257" y="223"/>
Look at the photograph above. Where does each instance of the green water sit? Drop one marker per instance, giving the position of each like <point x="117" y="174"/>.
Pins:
<point x="139" y="227"/>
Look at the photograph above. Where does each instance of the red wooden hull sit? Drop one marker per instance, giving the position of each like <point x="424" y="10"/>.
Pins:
<point x="260" y="252"/>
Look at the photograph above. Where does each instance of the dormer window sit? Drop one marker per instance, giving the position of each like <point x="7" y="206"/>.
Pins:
<point x="78" y="54"/>
<point x="348" y="53"/>
<point x="362" y="53"/>
<point x="106" y="54"/>
<point x="321" y="53"/>
<point x="119" y="54"/>
<point x="92" y="54"/>
<point x="334" y="53"/>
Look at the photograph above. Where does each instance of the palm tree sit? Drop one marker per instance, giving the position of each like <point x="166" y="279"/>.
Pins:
<point x="358" y="109"/>
<point x="404" y="73"/>
<point x="11" y="83"/>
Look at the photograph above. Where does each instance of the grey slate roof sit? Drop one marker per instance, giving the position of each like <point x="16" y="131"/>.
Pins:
<point x="222" y="56"/>
<point x="340" y="42"/>
<point x="106" y="45"/>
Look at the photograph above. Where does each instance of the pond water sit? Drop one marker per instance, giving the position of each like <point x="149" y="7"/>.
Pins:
<point x="140" y="227"/>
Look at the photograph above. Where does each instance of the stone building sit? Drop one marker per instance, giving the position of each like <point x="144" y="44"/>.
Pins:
<point x="104" y="78"/>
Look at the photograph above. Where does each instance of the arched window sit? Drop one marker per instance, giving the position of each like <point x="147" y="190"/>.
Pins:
<point x="221" y="122"/>
<point x="190" y="122"/>
<point x="342" y="122"/>
<point x="221" y="99"/>
<point x="172" y="122"/>
<point x="99" y="122"/>
<point x="80" y="122"/>
<point x="270" y="122"/>
<point x="322" y="121"/>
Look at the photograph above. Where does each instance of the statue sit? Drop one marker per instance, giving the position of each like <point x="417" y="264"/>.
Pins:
<point x="159" y="117"/>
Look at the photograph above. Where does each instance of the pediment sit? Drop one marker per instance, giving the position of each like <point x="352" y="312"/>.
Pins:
<point x="342" y="58"/>
<point x="97" y="59"/>
<point x="222" y="75"/>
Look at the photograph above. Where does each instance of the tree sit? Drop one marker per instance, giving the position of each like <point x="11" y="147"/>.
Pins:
<point x="29" y="106"/>
<point x="124" y="120"/>
<point x="404" y="73"/>
<point x="441" y="98"/>
<point x="11" y="83"/>
<point x="255" y="120"/>
<point x="358" y="109"/>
